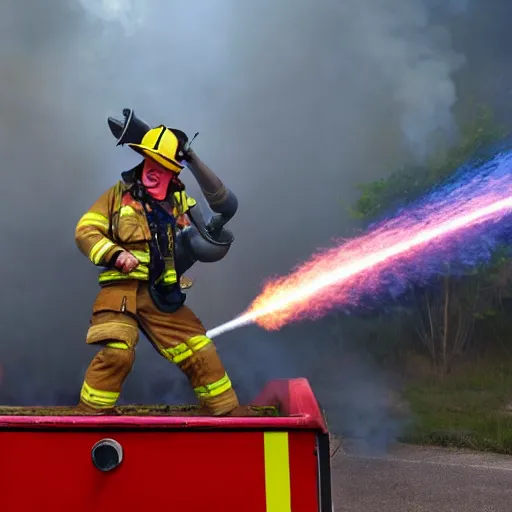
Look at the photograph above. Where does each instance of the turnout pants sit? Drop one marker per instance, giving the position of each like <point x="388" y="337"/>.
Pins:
<point x="119" y="311"/>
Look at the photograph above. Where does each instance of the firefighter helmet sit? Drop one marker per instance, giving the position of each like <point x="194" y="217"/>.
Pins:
<point x="166" y="146"/>
<point x="163" y="145"/>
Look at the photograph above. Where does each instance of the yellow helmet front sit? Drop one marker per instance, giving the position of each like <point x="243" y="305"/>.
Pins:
<point x="162" y="145"/>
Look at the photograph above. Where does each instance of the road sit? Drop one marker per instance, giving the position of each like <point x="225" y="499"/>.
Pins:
<point x="417" y="479"/>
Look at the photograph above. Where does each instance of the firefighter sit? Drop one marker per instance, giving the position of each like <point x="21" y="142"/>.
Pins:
<point x="145" y="232"/>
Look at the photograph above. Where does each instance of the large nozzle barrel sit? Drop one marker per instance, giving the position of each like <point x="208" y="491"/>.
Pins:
<point x="206" y="240"/>
<point x="130" y="130"/>
<point x="220" y="199"/>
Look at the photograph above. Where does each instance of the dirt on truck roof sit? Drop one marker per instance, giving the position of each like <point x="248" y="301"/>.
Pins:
<point x="122" y="410"/>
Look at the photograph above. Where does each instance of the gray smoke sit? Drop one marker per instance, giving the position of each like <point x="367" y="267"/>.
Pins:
<point x="296" y="102"/>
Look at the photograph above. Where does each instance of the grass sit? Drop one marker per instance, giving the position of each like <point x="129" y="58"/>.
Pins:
<point x="466" y="409"/>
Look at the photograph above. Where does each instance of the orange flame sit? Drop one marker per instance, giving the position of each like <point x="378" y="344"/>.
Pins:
<point x="329" y="277"/>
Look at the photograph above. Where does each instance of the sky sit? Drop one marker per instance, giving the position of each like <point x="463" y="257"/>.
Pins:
<point x="296" y="102"/>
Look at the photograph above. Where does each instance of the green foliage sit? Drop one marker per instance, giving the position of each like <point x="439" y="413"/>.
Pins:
<point x="408" y="183"/>
<point x="469" y="409"/>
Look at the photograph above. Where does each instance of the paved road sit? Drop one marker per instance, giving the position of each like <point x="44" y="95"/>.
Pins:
<point x="416" y="479"/>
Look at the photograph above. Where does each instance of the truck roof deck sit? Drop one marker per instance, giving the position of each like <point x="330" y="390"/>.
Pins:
<point x="283" y="403"/>
<point x="122" y="410"/>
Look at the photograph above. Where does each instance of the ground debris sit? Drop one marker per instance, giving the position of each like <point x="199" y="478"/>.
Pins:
<point x="123" y="410"/>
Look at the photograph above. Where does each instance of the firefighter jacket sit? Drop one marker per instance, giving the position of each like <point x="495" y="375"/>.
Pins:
<point x="117" y="222"/>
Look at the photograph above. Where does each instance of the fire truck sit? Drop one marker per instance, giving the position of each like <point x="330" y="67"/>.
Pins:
<point x="162" y="458"/>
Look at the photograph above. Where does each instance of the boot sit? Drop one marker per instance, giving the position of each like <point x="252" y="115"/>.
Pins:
<point x="86" y="410"/>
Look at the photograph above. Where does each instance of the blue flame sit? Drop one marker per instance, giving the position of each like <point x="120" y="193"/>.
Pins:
<point x="456" y="255"/>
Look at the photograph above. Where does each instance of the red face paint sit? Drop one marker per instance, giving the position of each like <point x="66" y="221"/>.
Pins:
<point x="156" y="179"/>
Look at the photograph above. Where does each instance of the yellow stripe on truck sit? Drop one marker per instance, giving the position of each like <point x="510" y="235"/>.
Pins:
<point x="277" y="472"/>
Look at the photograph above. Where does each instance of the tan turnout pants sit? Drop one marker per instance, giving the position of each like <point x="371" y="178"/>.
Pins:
<point x="119" y="311"/>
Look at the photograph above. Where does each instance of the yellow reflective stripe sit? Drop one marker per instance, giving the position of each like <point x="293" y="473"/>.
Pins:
<point x="94" y="223"/>
<point x="140" y="269"/>
<point x="99" y="250"/>
<point x="178" y="199"/>
<point x="94" y="219"/>
<point x="198" y="342"/>
<point x="178" y="353"/>
<point x="98" y="398"/>
<point x="94" y="216"/>
<point x="277" y="472"/>
<point x="183" y="201"/>
<point x="170" y="277"/>
<point x="122" y="277"/>
<point x="183" y="351"/>
<point x="140" y="273"/>
<point x="126" y="210"/>
<point x="142" y="256"/>
<point x="215" y="388"/>
<point x="118" y="344"/>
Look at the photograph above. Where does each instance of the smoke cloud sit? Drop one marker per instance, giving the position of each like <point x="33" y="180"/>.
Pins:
<point x="296" y="102"/>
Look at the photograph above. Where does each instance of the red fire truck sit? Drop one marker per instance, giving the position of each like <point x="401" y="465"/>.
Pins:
<point x="157" y="460"/>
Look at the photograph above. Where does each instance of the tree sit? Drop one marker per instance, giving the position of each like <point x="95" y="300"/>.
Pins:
<point x="408" y="183"/>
